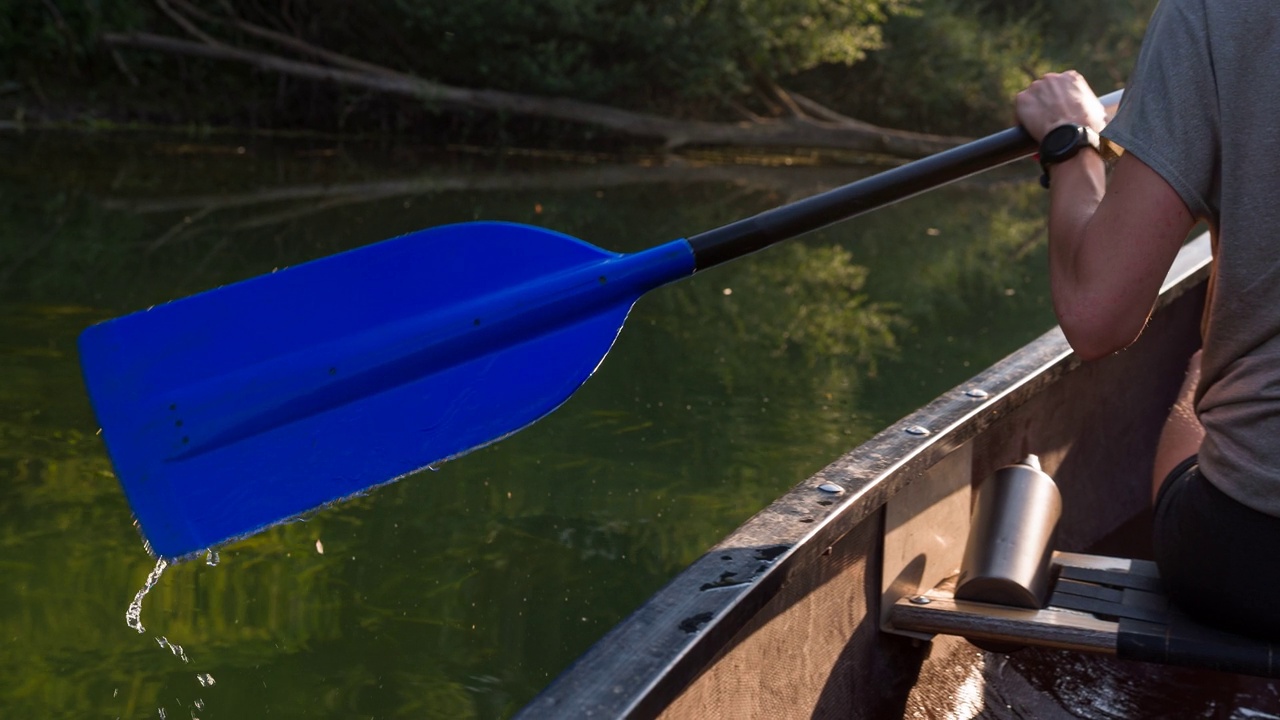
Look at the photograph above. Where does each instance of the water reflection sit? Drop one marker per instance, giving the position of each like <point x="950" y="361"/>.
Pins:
<point x="457" y="593"/>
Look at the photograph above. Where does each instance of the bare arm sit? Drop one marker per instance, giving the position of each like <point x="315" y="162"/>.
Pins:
<point x="1109" y="248"/>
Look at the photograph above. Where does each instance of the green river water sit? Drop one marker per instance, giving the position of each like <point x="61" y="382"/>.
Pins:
<point x="461" y="592"/>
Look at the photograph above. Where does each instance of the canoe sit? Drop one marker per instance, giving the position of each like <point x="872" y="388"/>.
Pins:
<point x="790" y="615"/>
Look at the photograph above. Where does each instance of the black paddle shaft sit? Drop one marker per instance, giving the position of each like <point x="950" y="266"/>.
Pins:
<point x="760" y="231"/>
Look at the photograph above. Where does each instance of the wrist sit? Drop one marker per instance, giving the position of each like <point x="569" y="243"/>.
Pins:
<point x="1063" y="143"/>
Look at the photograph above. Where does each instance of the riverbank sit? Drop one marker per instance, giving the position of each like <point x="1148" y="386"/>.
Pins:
<point x="582" y="74"/>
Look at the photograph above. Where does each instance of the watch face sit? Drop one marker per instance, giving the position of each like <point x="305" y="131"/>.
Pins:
<point x="1060" y="139"/>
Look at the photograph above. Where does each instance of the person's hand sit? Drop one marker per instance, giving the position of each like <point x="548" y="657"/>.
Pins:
<point x="1058" y="99"/>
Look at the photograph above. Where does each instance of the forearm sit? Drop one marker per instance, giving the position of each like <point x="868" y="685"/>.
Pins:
<point x="1080" y="268"/>
<point x="1109" y="248"/>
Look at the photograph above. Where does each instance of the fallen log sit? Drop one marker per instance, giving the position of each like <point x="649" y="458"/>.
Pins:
<point x="835" y="133"/>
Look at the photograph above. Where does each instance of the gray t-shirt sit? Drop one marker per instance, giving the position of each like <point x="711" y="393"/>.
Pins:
<point x="1202" y="109"/>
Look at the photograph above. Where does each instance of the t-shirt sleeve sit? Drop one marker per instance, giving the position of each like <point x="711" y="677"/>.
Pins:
<point x="1168" y="116"/>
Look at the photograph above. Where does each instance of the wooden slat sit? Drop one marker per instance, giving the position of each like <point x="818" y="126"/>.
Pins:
<point x="1086" y="590"/>
<point x="1113" y="578"/>
<point x="1051" y="627"/>
<point x="1112" y="617"/>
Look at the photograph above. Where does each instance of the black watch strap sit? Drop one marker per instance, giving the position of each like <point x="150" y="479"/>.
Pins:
<point x="1063" y="143"/>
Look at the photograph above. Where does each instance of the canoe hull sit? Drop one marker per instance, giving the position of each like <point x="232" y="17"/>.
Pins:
<point x="783" y="618"/>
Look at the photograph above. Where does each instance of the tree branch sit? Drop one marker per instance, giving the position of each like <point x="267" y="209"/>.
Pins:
<point x="186" y="24"/>
<point x="284" y="40"/>
<point x="775" y="91"/>
<point x="822" y="112"/>
<point x="124" y="68"/>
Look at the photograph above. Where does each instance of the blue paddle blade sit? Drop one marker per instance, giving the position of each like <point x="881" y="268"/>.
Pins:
<point x="248" y="405"/>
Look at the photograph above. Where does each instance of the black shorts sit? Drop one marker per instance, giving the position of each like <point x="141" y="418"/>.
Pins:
<point x="1220" y="560"/>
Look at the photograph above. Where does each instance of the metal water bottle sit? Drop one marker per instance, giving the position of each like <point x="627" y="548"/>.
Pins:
<point x="1011" y="533"/>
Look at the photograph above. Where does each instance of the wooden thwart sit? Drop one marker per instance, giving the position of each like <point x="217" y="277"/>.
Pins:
<point x="1099" y="604"/>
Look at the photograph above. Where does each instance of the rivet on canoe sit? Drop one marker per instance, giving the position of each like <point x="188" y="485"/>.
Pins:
<point x="977" y="393"/>
<point x="830" y="487"/>
<point x="918" y="430"/>
<point x="920" y="600"/>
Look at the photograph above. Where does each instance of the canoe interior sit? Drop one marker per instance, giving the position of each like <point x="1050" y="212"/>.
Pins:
<point x="782" y="618"/>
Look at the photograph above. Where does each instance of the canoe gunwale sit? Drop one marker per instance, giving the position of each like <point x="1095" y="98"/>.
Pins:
<point x="646" y="661"/>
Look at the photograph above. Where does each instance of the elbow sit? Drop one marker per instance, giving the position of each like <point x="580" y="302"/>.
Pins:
<point x="1102" y="313"/>
<point x="1095" y="338"/>
<point x="1088" y="350"/>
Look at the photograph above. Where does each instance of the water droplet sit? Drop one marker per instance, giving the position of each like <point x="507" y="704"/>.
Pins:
<point x="434" y="468"/>
<point x="177" y="650"/>
<point x="199" y="704"/>
<point x="205" y="680"/>
<point x="212" y="558"/>
<point x="161" y="711"/>
<point x="133" y="616"/>
<point x="319" y="546"/>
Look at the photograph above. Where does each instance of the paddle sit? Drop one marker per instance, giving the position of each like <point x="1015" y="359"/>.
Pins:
<point x="245" y="406"/>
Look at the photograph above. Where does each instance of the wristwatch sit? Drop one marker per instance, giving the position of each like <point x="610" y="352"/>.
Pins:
<point x="1062" y="143"/>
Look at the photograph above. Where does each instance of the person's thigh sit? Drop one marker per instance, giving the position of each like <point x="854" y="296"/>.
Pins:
<point x="1217" y="557"/>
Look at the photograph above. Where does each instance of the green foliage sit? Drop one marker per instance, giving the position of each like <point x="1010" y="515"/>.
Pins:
<point x="953" y="67"/>
<point x="59" y="36"/>
<point x="946" y="60"/>
<point x="668" y="53"/>
<point x="1099" y="38"/>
